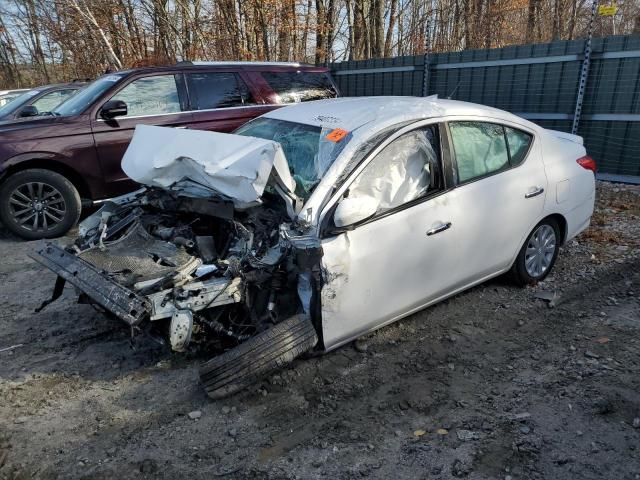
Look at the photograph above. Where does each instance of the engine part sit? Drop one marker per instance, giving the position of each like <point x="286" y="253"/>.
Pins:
<point x="180" y="330"/>
<point x="196" y="296"/>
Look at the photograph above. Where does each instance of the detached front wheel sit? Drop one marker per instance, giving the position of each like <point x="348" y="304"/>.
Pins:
<point x="38" y="203"/>
<point x="248" y="362"/>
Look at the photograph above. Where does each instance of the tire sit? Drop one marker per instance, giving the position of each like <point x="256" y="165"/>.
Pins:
<point x="520" y="273"/>
<point x="38" y="203"/>
<point x="270" y="350"/>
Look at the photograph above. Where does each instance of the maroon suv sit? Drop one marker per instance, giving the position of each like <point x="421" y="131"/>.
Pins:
<point x="51" y="166"/>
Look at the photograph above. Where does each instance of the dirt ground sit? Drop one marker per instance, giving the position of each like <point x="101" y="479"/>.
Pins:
<point x="493" y="384"/>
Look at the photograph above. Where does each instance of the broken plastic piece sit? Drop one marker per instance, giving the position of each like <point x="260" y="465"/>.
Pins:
<point x="180" y="330"/>
<point x="203" y="270"/>
<point x="207" y="248"/>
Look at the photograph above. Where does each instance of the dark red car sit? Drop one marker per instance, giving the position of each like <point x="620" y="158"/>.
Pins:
<point x="39" y="101"/>
<point x="51" y="166"/>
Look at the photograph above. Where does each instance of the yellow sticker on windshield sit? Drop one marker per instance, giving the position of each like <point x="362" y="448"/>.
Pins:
<point x="336" y="135"/>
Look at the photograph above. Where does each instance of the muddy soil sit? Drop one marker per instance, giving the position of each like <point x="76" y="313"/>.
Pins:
<point x="494" y="383"/>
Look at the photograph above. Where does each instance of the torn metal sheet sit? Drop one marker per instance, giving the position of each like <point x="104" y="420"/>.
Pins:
<point x="196" y="296"/>
<point x="140" y="256"/>
<point x="198" y="163"/>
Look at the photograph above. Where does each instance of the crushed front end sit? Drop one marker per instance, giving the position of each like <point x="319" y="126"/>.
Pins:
<point x="208" y="254"/>
<point x="196" y="269"/>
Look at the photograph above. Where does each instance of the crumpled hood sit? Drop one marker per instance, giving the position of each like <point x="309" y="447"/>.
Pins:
<point x="198" y="162"/>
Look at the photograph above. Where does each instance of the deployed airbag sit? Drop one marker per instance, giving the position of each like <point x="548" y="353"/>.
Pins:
<point x="197" y="162"/>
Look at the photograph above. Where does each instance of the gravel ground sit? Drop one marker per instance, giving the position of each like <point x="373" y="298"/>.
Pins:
<point x="494" y="383"/>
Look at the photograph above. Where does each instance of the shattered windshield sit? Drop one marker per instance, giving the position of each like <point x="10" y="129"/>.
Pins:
<point x="310" y="150"/>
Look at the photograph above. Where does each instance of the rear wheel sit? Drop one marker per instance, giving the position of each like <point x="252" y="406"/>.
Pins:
<point x="267" y="351"/>
<point x="38" y="203"/>
<point x="538" y="254"/>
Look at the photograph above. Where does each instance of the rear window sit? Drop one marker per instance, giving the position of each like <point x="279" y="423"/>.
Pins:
<point x="217" y="90"/>
<point x="294" y="87"/>
<point x="518" y="143"/>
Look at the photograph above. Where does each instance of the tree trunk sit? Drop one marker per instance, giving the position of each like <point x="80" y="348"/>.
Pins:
<point x="392" y="21"/>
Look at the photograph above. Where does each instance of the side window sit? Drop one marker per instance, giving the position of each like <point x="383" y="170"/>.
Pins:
<point x="518" y="142"/>
<point x="150" y="96"/>
<point x="217" y="90"/>
<point x="48" y="102"/>
<point x="480" y="149"/>
<point x="406" y="169"/>
<point x="293" y="87"/>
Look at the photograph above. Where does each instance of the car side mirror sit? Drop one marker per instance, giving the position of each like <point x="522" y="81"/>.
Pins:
<point x="28" y="111"/>
<point x="113" y="109"/>
<point x="354" y="210"/>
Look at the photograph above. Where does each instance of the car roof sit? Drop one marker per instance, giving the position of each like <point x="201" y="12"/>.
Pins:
<point x="61" y="85"/>
<point x="365" y="117"/>
<point x="351" y="113"/>
<point x="202" y="65"/>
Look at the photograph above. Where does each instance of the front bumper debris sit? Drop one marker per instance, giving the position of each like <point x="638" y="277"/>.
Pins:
<point x="122" y="302"/>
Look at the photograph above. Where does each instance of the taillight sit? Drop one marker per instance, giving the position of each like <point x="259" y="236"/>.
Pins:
<point x="587" y="162"/>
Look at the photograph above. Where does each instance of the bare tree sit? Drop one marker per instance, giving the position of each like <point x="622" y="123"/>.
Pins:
<point x="54" y="40"/>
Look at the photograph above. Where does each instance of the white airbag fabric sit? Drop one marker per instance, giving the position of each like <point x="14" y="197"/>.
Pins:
<point x="197" y="162"/>
<point x="399" y="173"/>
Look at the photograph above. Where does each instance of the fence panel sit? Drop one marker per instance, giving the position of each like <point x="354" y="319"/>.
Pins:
<point x="538" y="82"/>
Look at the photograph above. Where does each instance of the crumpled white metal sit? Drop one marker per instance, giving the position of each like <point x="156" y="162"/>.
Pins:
<point x="197" y="162"/>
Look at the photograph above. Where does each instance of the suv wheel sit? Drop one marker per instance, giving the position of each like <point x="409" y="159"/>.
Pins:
<point x="38" y="203"/>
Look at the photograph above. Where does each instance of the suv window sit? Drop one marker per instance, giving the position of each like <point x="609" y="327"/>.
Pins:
<point x="150" y="96"/>
<point x="217" y="90"/>
<point x="48" y="102"/>
<point x="406" y="169"/>
<point x="293" y="87"/>
<point x="480" y="149"/>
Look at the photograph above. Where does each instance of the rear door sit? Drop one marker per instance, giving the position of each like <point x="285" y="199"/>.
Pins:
<point x="158" y="99"/>
<point x="499" y="197"/>
<point x="222" y="100"/>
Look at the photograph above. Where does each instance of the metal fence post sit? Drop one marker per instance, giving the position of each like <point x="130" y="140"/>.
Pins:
<point x="427" y="49"/>
<point x="584" y="72"/>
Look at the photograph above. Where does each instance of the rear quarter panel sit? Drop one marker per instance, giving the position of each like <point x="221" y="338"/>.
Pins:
<point x="571" y="187"/>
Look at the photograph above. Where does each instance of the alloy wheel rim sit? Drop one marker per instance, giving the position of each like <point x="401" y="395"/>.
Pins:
<point x="37" y="206"/>
<point x="541" y="248"/>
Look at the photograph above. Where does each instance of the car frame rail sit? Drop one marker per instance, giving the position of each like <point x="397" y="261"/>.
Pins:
<point x="122" y="302"/>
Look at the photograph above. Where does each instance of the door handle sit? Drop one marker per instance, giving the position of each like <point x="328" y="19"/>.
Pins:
<point x="440" y="228"/>
<point x="534" y="192"/>
<point x="181" y="128"/>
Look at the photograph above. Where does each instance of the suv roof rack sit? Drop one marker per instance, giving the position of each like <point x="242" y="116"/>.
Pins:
<point x="259" y="64"/>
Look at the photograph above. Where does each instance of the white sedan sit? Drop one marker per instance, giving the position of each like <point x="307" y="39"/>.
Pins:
<point x="427" y="198"/>
<point x="392" y="204"/>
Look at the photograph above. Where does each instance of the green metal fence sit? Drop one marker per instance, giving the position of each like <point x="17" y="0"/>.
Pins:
<point x="538" y="82"/>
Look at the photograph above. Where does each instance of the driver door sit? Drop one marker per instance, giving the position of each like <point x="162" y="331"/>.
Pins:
<point x="398" y="260"/>
<point x="151" y="100"/>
